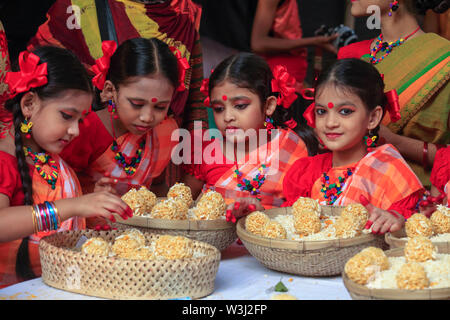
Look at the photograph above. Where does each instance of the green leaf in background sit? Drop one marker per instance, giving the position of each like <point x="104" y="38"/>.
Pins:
<point x="280" y="287"/>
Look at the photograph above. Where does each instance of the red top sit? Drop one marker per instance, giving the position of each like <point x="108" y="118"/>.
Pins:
<point x="209" y="173"/>
<point x="440" y="174"/>
<point x="83" y="150"/>
<point x="355" y="50"/>
<point x="302" y="175"/>
<point x="10" y="180"/>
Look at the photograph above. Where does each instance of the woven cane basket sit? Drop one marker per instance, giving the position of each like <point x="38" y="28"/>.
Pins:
<point x="118" y="278"/>
<point x="218" y="233"/>
<point x="395" y="240"/>
<point x="360" y="292"/>
<point x="307" y="258"/>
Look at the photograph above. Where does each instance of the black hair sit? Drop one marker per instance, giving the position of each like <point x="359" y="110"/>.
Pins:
<point x="141" y="57"/>
<point x="438" y="6"/>
<point x="64" y="72"/>
<point x="357" y="77"/>
<point x="250" y="71"/>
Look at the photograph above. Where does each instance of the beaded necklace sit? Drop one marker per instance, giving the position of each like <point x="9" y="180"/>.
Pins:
<point x="332" y="191"/>
<point x="251" y="186"/>
<point x="385" y="46"/>
<point x="129" y="164"/>
<point x="40" y="159"/>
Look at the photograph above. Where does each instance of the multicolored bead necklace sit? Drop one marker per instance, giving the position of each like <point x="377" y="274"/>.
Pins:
<point x="385" y="46"/>
<point x="129" y="164"/>
<point x="39" y="159"/>
<point x="332" y="191"/>
<point x="252" y="186"/>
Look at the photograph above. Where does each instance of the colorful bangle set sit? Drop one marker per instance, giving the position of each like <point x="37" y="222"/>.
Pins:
<point x="45" y="217"/>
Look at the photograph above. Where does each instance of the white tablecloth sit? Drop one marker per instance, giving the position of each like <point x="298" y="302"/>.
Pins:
<point x="240" y="276"/>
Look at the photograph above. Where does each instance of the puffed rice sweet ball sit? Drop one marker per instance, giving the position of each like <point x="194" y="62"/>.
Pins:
<point x="358" y="212"/>
<point x="420" y="249"/>
<point x="132" y="199"/>
<point x="147" y="198"/>
<point x="97" y="246"/>
<point x="306" y="222"/>
<point x="306" y="204"/>
<point x="274" y="230"/>
<point x="167" y="209"/>
<point x="142" y="253"/>
<point x="347" y="227"/>
<point x="440" y="220"/>
<point x="378" y="257"/>
<point x="210" y="207"/>
<point x="182" y="192"/>
<point x="256" y="221"/>
<point x="125" y="244"/>
<point x="174" y="247"/>
<point x="361" y="268"/>
<point x="412" y="276"/>
<point x="136" y="234"/>
<point x="418" y="225"/>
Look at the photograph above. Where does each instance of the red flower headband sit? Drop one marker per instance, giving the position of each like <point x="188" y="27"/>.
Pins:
<point x="283" y="83"/>
<point x="102" y="64"/>
<point x="183" y="66"/>
<point x="30" y="75"/>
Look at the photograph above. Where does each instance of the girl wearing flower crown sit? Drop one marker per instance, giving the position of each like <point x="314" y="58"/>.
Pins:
<point x="39" y="192"/>
<point x="349" y="105"/>
<point x="247" y="98"/>
<point x="128" y="143"/>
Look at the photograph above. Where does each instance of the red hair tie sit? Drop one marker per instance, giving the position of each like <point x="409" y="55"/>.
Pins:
<point x="183" y="66"/>
<point x="309" y="115"/>
<point x="291" y="123"/>
<point x="102" y="64"/>
<point x="283" y="83"/>
<point x="305" y="91"/>
<point x="393" y="106"/>
<point x="205" y="90"/>
<point x="30" y="75"/>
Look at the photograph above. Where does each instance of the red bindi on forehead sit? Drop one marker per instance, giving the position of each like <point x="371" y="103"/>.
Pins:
<point x="224" y="98"/>
<point x="330" y="105"/>
<point x="154" y="100"/>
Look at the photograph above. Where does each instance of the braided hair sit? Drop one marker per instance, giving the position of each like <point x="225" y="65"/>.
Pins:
<point x="64" y="72"/>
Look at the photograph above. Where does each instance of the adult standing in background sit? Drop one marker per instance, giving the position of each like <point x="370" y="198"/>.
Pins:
<point x="277" y="36"/>
<point x="81" y="25"/>
<point x="417" y="65"/>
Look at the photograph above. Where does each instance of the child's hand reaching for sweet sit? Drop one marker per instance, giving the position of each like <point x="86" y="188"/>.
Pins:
<point x="382" y="221"/>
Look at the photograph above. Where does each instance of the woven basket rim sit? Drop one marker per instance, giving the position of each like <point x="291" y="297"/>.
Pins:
<point x="197" y="225"/>
<point x="58" y="245"/>
<point x="394" y="240"/>
<point x="46" y="242"/>
<point x="299" y="245"/>
<point x="353" y="287"/>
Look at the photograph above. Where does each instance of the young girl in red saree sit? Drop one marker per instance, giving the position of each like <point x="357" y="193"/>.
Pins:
<point x="349" y="105"/>
<point x="248" y="101"/>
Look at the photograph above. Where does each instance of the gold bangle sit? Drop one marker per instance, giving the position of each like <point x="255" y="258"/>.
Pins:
<point x="33" y="215"/>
